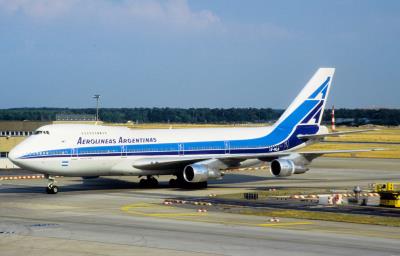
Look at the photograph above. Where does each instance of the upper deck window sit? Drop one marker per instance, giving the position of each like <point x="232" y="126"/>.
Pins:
<point x="41" y="132"/>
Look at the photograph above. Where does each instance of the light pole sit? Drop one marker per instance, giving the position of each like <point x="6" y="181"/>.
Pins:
<point x="97" y="97"/>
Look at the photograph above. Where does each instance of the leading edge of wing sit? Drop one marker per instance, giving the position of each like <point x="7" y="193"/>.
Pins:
<point x="164" y="163"/>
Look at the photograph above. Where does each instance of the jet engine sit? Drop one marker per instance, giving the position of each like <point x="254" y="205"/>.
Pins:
<point x="200" y="173"/>
<point x="288" y="166"/>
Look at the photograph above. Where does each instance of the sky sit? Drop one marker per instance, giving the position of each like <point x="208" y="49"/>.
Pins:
<point x="184" y="53"/>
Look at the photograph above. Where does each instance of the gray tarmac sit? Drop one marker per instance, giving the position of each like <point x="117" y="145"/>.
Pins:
<point x="114" y="216"/>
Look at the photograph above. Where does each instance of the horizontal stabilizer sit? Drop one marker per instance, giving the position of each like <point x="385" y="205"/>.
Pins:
<point x="332" y="134"/>
<point x="310" y="155"/>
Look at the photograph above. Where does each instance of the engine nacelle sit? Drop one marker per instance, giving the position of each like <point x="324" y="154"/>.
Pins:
<point x="200" y="173"/>
<point x="286" y="167"/>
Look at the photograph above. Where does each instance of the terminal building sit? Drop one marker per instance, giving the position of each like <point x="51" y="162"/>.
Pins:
<point x="75" y="118"/>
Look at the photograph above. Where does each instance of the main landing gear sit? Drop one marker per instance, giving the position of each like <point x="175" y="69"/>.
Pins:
<point x="149" y="182"/>
<point x="51" y="187"/>
<point x="180" y="182"/>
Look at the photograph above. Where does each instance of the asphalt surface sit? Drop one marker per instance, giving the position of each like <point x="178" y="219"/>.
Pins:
<point x="306" y="205"/>
<point x="114" y="216"/>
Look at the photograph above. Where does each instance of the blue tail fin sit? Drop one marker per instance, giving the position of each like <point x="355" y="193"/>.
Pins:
<point x="307" y="108"/>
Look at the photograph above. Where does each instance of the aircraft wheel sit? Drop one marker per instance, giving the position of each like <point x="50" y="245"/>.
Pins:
<point x="143" y="183"/>
<point x="52" y="189"/>
<point x="205" y="184"/>
<point x="55" y="189"/>
<point x="201" y="185"/>
<point x="181" y="183"/>
<point x="153" y="182"/>
<point x="149" y="182"/>
<point x="173" y="183"/>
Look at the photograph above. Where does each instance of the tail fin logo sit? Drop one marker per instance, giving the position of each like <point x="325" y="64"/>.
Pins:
<point x="320" y="94"/>
<point x="308" y="106"/>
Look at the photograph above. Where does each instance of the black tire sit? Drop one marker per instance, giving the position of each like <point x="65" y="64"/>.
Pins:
<point x="173" y="183"/>
<point x="181" y="182"/>
<point x="52" y="189"/>
<point x="143" y="183"/>
<point x="201" y="185"/>
<point x="153" y="182"/>
<point x="190" y="185"/>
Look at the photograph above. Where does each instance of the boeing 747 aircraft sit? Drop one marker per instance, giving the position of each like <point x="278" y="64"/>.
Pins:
<point x="192" y="155"/>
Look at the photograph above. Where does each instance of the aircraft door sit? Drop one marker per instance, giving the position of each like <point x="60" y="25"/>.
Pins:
<point x="74" y="153"/>
<point x="227" y="147"/>
<point x="124" y="150"/>
<point x="181" y="149"/>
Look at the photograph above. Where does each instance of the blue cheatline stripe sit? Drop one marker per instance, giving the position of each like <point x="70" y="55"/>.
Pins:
<point x="287" y="144"/>
<point x="282" y="137"/>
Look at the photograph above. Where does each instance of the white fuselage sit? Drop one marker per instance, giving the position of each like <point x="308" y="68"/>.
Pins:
<point x="94" y="150"/>
<point x="69" y="142"/>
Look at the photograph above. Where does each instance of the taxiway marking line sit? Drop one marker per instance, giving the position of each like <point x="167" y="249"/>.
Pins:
<point x="134" y="209"/>
<point x="284" y="224"/>
<point x="130" y="208"/>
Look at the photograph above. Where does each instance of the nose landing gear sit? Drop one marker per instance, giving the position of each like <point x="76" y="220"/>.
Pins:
<point x="51" y="187"/>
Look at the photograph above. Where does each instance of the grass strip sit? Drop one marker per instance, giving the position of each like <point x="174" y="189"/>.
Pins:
<point x="326" y="216"/>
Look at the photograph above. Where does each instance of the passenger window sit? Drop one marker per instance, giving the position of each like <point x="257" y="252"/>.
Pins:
<point x="41" y="132"/>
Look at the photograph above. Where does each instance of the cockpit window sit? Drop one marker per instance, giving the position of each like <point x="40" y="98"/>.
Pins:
<point x="41" y="132"/>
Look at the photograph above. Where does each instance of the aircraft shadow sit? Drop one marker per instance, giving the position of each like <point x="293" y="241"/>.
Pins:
<point x="115" y="184"/>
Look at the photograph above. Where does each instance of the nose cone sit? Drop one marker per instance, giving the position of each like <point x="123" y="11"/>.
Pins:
<point x="17" y="157"/>
<point x="13" y="156"/>
<point x="19" y="154"/>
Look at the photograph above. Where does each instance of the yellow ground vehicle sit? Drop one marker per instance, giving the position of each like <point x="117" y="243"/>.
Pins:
<point x="389" y="194"/>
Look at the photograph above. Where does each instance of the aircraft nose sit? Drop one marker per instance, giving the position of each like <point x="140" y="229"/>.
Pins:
<point x="13" y="156"/>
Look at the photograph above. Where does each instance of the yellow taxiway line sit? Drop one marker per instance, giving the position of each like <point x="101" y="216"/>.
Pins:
<point x="284" y="224"/>
<point x="136" y="209"/>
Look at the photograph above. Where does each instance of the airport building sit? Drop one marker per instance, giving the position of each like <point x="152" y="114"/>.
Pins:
<point x="75" y="118"/>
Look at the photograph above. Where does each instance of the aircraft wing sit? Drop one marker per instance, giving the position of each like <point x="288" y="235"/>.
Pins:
<point x="228" y="160"/>
<point x="169" y="163"/>
<point x="332" y="134"/>
<point x="166" y="163"/>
